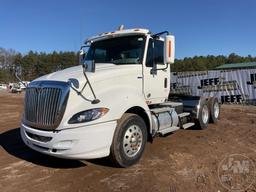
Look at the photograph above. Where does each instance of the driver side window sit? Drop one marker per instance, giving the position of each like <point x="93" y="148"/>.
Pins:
<point x="149" y="60"/>
<point x="155" y="53"/>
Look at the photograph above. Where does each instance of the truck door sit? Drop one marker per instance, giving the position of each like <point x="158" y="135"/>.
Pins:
<point x="156" y="84"/>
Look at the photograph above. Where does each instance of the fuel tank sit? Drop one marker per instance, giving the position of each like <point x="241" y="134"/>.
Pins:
<point x="164" y="120"/>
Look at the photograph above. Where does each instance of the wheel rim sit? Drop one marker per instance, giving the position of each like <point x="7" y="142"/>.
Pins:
<point x="216" y="109"/>
<point x="205" y="114"/>
<point x="132" y="140"/>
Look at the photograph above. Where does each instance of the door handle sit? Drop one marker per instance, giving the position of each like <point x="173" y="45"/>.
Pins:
<point x="165" y="82"/>
<point x="139" y="77"/>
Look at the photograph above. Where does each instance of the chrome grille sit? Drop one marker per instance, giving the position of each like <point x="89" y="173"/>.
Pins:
<point x="45" y="103"/>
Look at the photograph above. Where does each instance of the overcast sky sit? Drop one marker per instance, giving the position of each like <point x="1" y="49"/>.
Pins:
<point x="201" y="27"/>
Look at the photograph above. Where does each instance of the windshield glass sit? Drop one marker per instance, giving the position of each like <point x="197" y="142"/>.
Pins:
<point x="120" y="50"/>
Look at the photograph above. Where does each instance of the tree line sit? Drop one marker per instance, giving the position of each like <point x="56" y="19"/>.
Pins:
<point x="34" y="64"/>
<point x="210" y="62"/>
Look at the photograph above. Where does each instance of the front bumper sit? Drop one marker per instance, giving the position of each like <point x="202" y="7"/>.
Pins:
<point x="86" y="142"/>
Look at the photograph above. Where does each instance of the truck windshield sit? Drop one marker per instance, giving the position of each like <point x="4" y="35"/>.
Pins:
<point x="119" y="50"/>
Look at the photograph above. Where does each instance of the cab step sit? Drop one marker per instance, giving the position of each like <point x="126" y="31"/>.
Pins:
<point x="187" y="125"/>
<point x="168" y="130"/>
<point x="183" y="114"/>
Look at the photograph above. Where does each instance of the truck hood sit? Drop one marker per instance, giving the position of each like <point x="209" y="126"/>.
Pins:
<point x="102" y="72"/>
<point x="116" y="86"/>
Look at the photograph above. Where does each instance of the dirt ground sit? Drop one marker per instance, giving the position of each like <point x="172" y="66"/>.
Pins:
<point x="185" y="161"/>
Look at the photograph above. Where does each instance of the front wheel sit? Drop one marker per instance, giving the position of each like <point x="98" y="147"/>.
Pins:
<point x="129" y="140"/>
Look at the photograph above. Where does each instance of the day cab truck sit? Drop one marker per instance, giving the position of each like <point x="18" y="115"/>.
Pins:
<point x="114" y="102"/>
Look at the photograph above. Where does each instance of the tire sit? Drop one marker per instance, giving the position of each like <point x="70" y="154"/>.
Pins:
<point x="203" y="116"/>
<point x="214" y="109"/>
<point x="129" y="140"/>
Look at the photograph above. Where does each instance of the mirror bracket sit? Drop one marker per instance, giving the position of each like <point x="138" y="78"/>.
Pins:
<point x="17" y="72"/>
<point x="154" y="69"/>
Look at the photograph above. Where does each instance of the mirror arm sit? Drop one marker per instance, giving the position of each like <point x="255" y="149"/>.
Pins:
<point x="161" y="33"/>
<point x="163" y="68"/>
<point x="154" y="70"/>
<point x="95" y="101"/>
<point x="16" y="75"/>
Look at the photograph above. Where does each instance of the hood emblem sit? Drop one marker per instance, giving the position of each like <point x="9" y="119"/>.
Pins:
<point x="39" y="88"/>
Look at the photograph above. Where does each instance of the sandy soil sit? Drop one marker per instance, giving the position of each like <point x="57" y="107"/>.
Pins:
<point x="185" y="161"/>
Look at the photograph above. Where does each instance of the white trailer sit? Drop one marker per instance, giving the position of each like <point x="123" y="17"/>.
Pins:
<point x="112" y="104"/>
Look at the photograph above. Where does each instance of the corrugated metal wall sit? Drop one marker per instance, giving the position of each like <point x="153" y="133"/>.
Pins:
<point x="238" y="86"/>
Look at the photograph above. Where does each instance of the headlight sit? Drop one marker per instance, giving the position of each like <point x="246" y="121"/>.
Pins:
<point x="88" y="115"/>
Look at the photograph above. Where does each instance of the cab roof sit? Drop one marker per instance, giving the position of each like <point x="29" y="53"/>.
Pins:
<point x="118" y="33"/>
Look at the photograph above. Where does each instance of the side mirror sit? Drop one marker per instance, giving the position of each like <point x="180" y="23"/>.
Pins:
<point x="169" y="49"/>
<point x="82" y="55"/>
<point x="88" y="65"/>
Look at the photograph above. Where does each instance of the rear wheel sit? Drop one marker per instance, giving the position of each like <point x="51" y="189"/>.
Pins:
<point x="129" y="140"/>
<point x="203" y="115"/>
<point x="214" y="109"/>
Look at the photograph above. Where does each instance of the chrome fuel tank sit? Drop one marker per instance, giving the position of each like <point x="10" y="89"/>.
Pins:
<point x="164" y="120"/>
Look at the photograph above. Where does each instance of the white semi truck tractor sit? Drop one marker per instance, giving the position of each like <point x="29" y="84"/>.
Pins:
<point x="114" y="102"/>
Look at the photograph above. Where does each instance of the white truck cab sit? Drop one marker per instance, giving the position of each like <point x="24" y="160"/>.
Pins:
<point x="112" y="104"/>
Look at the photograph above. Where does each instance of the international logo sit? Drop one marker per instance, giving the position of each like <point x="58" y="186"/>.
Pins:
<point x="39" y="88"/>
